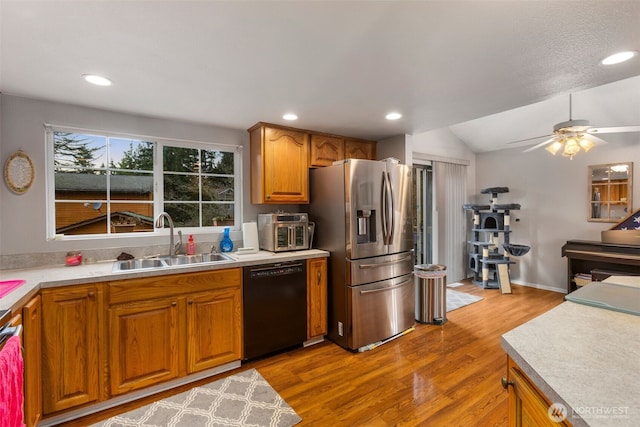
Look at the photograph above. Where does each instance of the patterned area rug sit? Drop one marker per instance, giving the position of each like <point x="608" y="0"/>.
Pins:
<point x="457" y="299"/>
<point x="244" y="399"/>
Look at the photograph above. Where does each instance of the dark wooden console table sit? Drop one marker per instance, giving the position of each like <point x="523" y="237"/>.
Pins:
<point x="584" y="256"/>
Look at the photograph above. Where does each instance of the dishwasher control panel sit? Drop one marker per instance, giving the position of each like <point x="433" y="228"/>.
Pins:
<point x="275" y="270"/>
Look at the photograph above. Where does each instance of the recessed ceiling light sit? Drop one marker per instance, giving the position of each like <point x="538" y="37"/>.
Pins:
<point x="97" y="80"/>
<point x="290" y="116"/>
<point x="393" y="116"/>
<point x="619" y="57"/>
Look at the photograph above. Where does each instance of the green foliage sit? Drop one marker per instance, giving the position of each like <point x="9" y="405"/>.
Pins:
<point x="72" y="150"/>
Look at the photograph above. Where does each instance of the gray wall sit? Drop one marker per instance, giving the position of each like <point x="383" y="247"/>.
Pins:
<point x="23" y="217"/>
<point x="553" y="192"/>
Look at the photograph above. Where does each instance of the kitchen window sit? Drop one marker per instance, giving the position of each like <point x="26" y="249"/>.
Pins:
<point x="106" y="184"/>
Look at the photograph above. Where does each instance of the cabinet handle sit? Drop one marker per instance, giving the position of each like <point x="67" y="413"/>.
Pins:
<point x="505" y="383"/>
<point x="91" y="294"/>
<point x="190" y="301"/>
<point x="173" y="303"/>
<point x="319" y="276"/>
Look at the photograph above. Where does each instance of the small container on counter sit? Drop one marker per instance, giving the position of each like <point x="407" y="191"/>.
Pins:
<point x="73" y="258"/>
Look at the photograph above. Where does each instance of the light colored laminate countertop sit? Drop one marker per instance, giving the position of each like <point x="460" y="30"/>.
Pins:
<point x="60" y="275"/>
<point x="586" y="358"/>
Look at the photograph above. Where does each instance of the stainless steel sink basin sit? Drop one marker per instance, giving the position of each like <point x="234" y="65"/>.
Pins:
<point x="196" y="259"/>
<point x="168" y="262"/>
<point x="135" y="264"/>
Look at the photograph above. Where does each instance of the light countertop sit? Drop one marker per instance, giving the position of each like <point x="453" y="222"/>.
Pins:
<point x="586" y="358"/>
<point x="61" y="275"/>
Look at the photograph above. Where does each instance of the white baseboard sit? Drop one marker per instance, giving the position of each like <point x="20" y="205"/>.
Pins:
<point x="537" y="286"/>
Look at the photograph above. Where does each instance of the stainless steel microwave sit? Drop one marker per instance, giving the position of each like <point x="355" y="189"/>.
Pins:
<point x="280" y="232"/>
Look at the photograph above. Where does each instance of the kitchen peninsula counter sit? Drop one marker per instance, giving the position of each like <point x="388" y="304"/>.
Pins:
<point x="60" y="275"/>
<point x="586" y="358"/>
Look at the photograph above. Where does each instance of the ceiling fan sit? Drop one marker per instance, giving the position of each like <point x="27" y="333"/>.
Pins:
<point x="573" y="135"/>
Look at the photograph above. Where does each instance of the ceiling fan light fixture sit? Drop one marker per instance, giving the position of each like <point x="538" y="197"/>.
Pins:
<point x="619" y="57"/>
<point x="554" y="148"/>
<point x="571" y="148"/>
<point x="586" y="144"/>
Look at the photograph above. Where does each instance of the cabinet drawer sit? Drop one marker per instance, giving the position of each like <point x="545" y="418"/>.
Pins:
<point x="148" y="288"/>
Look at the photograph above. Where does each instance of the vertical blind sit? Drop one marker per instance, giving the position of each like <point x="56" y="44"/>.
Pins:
<point x="450" y="182"/>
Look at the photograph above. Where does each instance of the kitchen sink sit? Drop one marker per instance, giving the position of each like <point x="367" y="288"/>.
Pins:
<point x="168" y="262"/>
<point x="196" y="259"/>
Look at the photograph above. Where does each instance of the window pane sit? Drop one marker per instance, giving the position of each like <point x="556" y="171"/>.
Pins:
<point x="81" y="218"/>
<point x="78" y="151"/>
<point x="131" y="154"/>
<point x="217" y="189"/>
<point x="183" y="214"/>
<point x="131" y="217"/>
<point x="87" y="184"/>
<point x="179" y="159"/>
<point x="218" y="162"/>
<point x="181" y="187"/>
<point x="133" y="186"/>
<point x="218" y="215"/>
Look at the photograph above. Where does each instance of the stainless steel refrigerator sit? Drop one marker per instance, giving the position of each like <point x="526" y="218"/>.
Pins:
<point x="363" y="215"/>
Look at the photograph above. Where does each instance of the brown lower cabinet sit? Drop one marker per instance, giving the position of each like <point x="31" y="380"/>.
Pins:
<point x="32" y="343"/>
<point x="144" y="344"/>
<point x="106" y="339"/>
<point x="179" y="325"/>
<point x="71" y="342"/>
<point x="527" y="405"/>
<point x="316" y="297"/>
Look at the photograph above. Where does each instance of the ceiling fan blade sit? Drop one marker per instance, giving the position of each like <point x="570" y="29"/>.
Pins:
<point x="542" y="144"/>
<point x="529" y="139"/>
<point x="618" y="129"/>
<point x="594" y="138"/>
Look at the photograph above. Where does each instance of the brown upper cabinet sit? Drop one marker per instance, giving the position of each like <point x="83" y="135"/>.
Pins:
<point x="281" y="157"/>
<point x="359" y="149"/>
<point x="325" y="150"/>
<point x="279" y="165"/>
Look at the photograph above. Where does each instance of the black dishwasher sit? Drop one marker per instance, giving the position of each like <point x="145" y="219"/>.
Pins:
<point x="275" y="307"/>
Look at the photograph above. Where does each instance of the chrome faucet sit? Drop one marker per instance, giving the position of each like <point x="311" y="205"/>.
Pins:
<point x="160" y="224"/>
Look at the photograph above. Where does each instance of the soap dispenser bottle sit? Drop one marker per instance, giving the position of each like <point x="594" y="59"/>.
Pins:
<point x="226" y="245"/>
<point x="191" y="246"/>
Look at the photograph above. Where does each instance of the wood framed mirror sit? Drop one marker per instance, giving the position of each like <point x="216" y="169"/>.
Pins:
<point x="610" y="191"/>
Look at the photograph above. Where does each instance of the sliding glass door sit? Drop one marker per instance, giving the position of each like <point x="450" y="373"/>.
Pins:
<point x="423" y="213"/>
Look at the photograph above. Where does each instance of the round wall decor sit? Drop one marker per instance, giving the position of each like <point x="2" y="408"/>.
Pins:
<point x="19" y="172"/>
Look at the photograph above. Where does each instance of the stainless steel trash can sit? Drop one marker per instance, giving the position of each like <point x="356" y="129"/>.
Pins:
<point x="431" y="293"/>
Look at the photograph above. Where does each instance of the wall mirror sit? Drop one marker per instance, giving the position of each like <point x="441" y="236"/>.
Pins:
<point x="610" y="190"/>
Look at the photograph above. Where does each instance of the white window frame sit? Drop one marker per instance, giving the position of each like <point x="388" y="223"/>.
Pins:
<point x="158" y="181"/>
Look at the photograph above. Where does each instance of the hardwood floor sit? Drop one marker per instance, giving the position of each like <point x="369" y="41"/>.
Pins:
<point x="446" y="375"/>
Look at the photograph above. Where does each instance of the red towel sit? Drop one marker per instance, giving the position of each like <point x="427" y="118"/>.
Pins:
<point x="11" y="378"/>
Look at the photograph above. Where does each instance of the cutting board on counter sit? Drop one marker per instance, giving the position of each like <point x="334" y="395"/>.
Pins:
<point x="610" y="296"/>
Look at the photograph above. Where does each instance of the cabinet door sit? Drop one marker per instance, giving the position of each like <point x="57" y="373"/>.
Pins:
<point x="70" y="363"/>
<point x="279" y="165"/>
<point x="355" y="149"/>
<point x="528" y="406"/>
<point x="144" y="346"/>
<point x="316" y="297"/>
<point x="32" y="323"/>
<point x="214" y="329"/>
<point x="325" y="150"/>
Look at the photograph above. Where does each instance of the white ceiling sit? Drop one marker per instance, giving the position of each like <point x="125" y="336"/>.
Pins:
<point x="340" y="65"/>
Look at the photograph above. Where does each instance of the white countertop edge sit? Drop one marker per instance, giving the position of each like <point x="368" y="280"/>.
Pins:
<point x="60" y="275"/>
<point x="539" y="382"/>
<point x="582" y="357"/>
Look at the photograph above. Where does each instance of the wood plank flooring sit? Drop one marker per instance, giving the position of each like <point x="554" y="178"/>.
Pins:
<point x="446" y="375"/>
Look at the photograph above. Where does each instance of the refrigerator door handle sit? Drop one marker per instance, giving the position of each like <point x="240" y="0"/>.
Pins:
<point x="384" y="264"/>
<point x="373" y="291"/>
<point x="383" y="202"/>
<point x="387" y="209"/>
